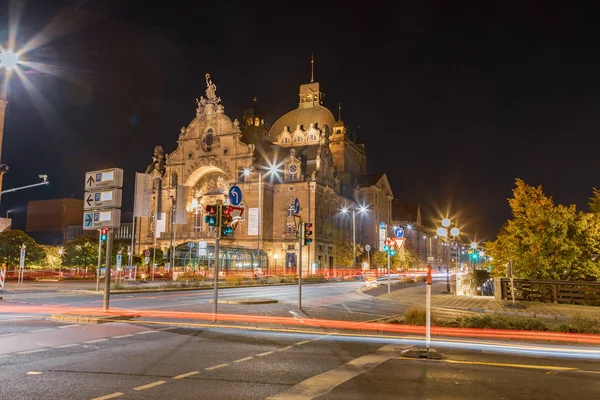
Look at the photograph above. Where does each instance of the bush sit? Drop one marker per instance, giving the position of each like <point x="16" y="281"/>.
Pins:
<point x="415" y="316"/>
<point x="501" y="322"/>
<point x="190" y="276"/>
<point x="234" y="280"/>
<point x="580" y="324"/>
<point x="420" y="278"/>
<point x="406" y="279"/>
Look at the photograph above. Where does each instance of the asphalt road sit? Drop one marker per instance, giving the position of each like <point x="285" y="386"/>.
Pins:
<point x="42" y="359"/>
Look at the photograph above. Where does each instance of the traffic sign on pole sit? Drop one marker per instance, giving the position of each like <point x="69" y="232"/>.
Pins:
<point x="107" y="178"/>
<point x="101" y="219"/>
<point x="235" y="195"/>
<point x="110" y="198"/>
<point x="398" y="232"/>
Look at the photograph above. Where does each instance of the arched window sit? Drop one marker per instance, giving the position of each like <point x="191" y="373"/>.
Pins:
<point x="298" y="139"/>
<point x="256" y="121"/>
<point x="293" y="172"/>
<point x="174" y="179"/>
<point x="286" y="139"/>
<point x="290" y="210"/>
<point x="312" y="137"/>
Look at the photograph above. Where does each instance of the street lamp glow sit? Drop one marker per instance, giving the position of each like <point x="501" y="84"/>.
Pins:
<point x="481" y="253"/>
<point x="443" y="232"/>
<point x="61" y="251"/>
<point x="246" y="172"/>
<point x="409" y="227"/>
<point x="344" y="210"/>
<point x="362" y="209"/>
<point x="446" y="222"/>
<point x="9" y="59"/>
<point x="455" y="231"/>
<point x="473" y="245"/>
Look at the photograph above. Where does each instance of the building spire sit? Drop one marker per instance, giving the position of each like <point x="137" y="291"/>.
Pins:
<point x="312" y="68"/>
<point x="339" y="111"/>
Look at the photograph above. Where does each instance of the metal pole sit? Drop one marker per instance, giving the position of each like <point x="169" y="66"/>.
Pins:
<point x="216" y="287"/>
<point x="512" y="283"/>
<point x="300" y="238"/>
<point x="353" y="238"/>
<point x="428" y="308"/>
<point x="133" y="224"/>
<point x="109" y="241"/>
<point x="447" y="269"/>
<point x="259" y="214"/>
<point x="154" y="248"/>
<point x="99" y="260"/>
<point x="388" y="268"/>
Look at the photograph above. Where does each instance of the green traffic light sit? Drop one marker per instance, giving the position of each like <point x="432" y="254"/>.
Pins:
<point x="211" y="220"/>
<point x="386" y="248"/>
<point x="393" y="253"/>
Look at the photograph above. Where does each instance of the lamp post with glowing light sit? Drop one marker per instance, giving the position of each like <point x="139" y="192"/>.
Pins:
<point x="9" y="62"/>
<point x="362" y="209"/>
<point x="444" y="232"/>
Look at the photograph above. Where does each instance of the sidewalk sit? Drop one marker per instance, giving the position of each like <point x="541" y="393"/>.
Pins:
<point x="414" y="295"/>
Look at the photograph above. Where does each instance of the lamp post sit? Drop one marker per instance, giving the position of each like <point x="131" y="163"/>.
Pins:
<point x="362" y="209"/>
<point x="275" y="257"/>
<point x="9" y="61"/>
<point x="444" y="231"/>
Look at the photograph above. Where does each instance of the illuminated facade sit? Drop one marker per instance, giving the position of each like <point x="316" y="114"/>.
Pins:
<point x="306" y="155"/>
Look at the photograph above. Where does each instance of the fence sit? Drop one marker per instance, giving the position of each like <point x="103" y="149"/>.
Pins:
<point x="558" y="292"/>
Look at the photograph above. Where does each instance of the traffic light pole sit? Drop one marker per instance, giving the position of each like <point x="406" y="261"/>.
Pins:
<point x="388" y="271"/>
<point x="300" y="244"/>
<point x="217" y="236"/>
<point x="99" y="260"/>
<point x="109" y="240"/>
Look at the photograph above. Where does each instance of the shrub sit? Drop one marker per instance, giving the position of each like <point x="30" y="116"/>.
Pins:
<point x="415" y="316"/>
<point x="580" y="324"/>
<point x="234" y="280"/>
<point x="190" y="276"/>
<point x="420" y="278"/>
<point x="501" y="322"/>
<point x="406" y="279"/>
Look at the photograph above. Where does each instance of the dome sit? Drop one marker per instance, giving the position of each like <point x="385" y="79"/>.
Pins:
<point x="317" y="114"/>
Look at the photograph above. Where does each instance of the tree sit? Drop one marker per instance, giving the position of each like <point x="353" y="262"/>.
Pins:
<point x="10" y="248"/>
<point x="379" y="258"/>
<point x="343" y="254"/>
<point x="594" y="203"/>
<point x="53" y="259"/>
<point x="546" y="241"/>
<point x="404" y="259"/>
<point x="81" y="252"/>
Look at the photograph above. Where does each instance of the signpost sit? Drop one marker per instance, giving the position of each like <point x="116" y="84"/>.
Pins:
<point x="21" y="264"/>
<point x="368" y="249"/>
<point x="102" y="210"/>
<point x="399" y="232"/>
<point x="235" y="195"/>
<point x="382" y="234"/>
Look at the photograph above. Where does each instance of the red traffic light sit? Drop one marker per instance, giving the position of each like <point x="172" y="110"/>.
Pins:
<point x="211" y="209"/>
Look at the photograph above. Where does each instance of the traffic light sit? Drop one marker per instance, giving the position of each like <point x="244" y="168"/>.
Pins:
<point x="307" y="233"/>
<point x="226" y="220"/>
<point x="392" y="253"/>
<point x="211" y="215"/>
<point x="104" y="234"/>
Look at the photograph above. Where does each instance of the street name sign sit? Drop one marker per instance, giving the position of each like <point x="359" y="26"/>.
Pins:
<point x="101" y="219"/>
<point x="109" y="198"/>
<point x="107" y="178"/>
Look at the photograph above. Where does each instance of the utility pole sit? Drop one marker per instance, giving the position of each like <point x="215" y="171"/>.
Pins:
<point x="109" y="241"/>
<point x="99" y="260"/>
<point x="300" y="244"/>
<point x="217" y="237"/>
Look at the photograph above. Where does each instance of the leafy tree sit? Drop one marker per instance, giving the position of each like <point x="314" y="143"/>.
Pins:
<point x="379" y="259"/>
<point x="81" y="252"/>
<point x="53" y="259"/>
<point x="403" y="259"/>
<point x="10" y="248"/>
<point x="343" y="254"/>
<point x="594" y="203"/>
<point x="546" y="241"/>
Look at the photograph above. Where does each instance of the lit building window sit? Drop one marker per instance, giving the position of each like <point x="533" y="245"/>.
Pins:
<point x="286" y="139"/>
<point x="197" y="222"/>
<point x="293" y="172"/>
<point x="298" y="139"/>
<point x="290" y="210"/>
<point x="256" y="121"/>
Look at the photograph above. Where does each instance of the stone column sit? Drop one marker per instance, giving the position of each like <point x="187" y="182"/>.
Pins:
<point x="3" y="104"/>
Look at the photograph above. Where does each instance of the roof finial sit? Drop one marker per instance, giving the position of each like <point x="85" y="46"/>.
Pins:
<point x="339" y="111"/>
<point x="312" y="68"/>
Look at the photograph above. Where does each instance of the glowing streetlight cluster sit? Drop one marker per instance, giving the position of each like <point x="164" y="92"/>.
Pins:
<point x="9" y="59"/>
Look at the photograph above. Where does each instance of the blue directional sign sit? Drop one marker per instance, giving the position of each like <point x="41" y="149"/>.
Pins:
<point x="399" y="232"/>
<point x="88" y="220"/>
<point x="296" y="206"/>
<point x="235" y="195"/>
<point x="382" y="225"/>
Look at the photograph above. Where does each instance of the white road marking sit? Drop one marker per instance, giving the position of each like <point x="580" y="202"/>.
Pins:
<point x="67" y="326"/>
<point x="42" y="330"/>
<point x="64" y="346"/>
<point x="168" y="328"/>
<point x="303" y="342"/>
<point x="145" y="332"/>
<point x="346" y="307"/>
<point x="3" y="355"/>
<point x="186" y="375"/>
<point x="96" y="340"/>
<point x="325" y="382"/>
<point x="32" y="351"/>
<point x="109" y="396"/>
<point x="216" y="367"/>
<point x="285" y="348"/>
<point x="121" y="336"/>
<point x="34" y="373"/>
<point x="265" y="354"/>
<point x="243" y="359"/>
<point x="150" y="385"/>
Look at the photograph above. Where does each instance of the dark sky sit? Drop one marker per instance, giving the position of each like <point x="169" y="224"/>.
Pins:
<point x="453" y="100"/>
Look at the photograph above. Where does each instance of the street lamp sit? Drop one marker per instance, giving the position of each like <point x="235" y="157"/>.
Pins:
<point x="444" y="234"/>
<point x="362" y="209"/>
<point x="9" y="59"/>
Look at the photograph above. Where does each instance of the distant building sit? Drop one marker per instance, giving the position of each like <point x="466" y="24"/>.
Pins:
<point x="48" y="220"/>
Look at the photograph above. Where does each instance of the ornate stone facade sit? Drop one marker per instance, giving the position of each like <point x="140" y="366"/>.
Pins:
<point x="305" y="155"/>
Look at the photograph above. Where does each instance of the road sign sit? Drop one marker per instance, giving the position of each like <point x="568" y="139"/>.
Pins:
<point x="106" y="178"/>
<point x="382" y="234"/>
<point x="235" y="195"/>
<point x="202" y="249"/>
<point x="296" y="206"/>
<point x="110" y="198"/>
<point x="147" y="260"/>
<point x="147" y="253"/>
<point x="101" y="219"/>
<point x="399" y="242"/>
<point x="119" y="260"/>
<point x="22" y="258"/>
<point x="399" y="232"/>
<point x="368" y="248"/>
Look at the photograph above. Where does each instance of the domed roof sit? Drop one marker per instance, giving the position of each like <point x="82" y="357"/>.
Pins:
<point x="317" y="115"/>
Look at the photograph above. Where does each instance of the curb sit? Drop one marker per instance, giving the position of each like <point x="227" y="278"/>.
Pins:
<point x="245" y="301"/>
<point x="88" y="319"/>
<point x="159" y="290"/>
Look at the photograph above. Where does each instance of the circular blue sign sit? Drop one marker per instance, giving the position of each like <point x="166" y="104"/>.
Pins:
<point x="399" y="232"/>
<point x="235" y="195"/>
<point x="296" y="206"/>
<point x="382" y="225"/>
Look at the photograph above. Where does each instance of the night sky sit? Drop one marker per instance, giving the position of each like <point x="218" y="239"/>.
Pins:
<point x="453" y="100"/>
